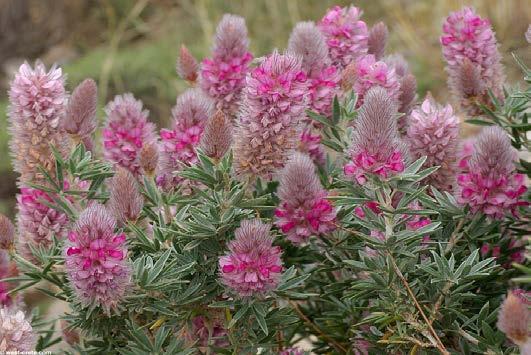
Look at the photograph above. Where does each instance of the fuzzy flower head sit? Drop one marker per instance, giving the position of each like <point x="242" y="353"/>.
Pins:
<point x="37" y="104"/>
<point x="125" y="201"/>
<point x="366" y="73"/>
<point x="7" y="233"/>
<point x="376" y="148"/>
<point x="304" y="210"/>
<point x="274" y="103"/>
<point x="377" y="40"/>
<point x="37" y="222"/>
<point x="433" y="132"/>
<point x="514" y="318"/>
<point x="149" y="158"/>
<point x="408" y="84"/>
<point x="187" y="66"/>
<point x="177" y="146"/>
<point x="253" y="265"/>
<point x="95" y="259"/>
<point x="346" y="35"/>
<point x="217" y="137"/>
<point x="80" y="118"/>
<point x="469" y="38"/>
<point x="16" y="333"/>
<point x="310" y="144"/>
<point x="222" y="77"/>
<point x="307" y="42"/>
<point x="491" y="185"/>
<point x="126" y="131"/>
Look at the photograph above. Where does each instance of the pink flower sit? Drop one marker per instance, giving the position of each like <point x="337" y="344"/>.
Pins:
<point x="125" y="200"/>
<point x="253" y="264"/>
<point x="416" y="221"/>
<point x="433" y="132"/>
<point x="16" y="333"/>
<point x="346" y="35"/>
<point x="126" y="131"/>
<point x="177" y="146"/>
<point x="274" y="103"/>
<point x="307" y="42"/>
<point x="304" y="210"/>
<point x="38" y="223"/>
<point x="208" y="330"/>
<point x="468" y="39"/>
<point x="366" y="73"/>
<point x="217" y="137"/>
<point x="376" y="148"/>
<point x="37" y="103"/>
<point x="491" y="185"/>
<point x="95" y="259"/>
<point x="222" y="77"/>
<point x="80" y="117"/>
<point x="513" y="318"/>
<point x="7" y="269"/>
<point x="311" y="145"/>
<point x="372" y="205"/>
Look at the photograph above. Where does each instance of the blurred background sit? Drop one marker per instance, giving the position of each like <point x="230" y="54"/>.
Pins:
<point x="131" y="45"/>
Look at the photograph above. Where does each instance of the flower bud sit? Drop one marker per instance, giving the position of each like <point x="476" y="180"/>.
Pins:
<point x="217" y="136"/>
<point x="187" y="65"/>
<point x="149" y="158"/>
<point x="80" y="118"/>
<point x="125" y="201"/>
<point x="7" y="233"/>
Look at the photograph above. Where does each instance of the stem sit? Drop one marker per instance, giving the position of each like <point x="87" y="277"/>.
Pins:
<point x="439" y="343"/>
<point x="316" y="328"/>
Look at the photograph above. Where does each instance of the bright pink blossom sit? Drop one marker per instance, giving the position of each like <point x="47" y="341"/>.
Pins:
<point x="126" y="131"/>
<point x="96" y="259"/>
<point x="346" y="35"/>
<point x="253" y="265"/>
<point x="304" y="210"/>
<point x="491" y="184"/>
<point x="222" y="77"/>
<point x="367" y="72"/>
<point x="311" y="144"/>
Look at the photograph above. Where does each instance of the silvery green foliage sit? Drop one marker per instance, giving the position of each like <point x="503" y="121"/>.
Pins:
<point x="374" y="284"/>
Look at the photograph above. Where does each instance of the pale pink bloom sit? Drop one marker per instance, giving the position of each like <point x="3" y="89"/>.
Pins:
<point x="96" y="260"/>
<point x="126" y="131"/>
<point x="187" y="66"/>
<point x="253" y="265"/>
<point x="366" y="73"/>
<point x="469" y="40"/>
<point x="274" y="104"/>
<point x="80" y="118"/>
<point x="36" y="106"/>
<point x="303" y="210"/>
<point x="177" y="146"/>
<point x="7" y="233"/>
<point x="377" y="40"/>
<point x="433" y="132"/>
<point x="376" y="148"/>
<point x="513" y="318"/>
<point x="16" y="333"/>
<point x="217" y="137"/>
<point x="222" y="77"/>
<point x="311" y="144"/>
<point x="346" y="35"/>
<point x="307" y="42"/>
<point x="125" y="200"/>
<point x="37" y="222"/>
<point x="491" y="184"/>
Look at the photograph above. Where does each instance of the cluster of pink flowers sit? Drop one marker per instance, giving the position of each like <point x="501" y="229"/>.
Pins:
<point x="126" y="131"/>
<point x="469" y="41"/>
<point x="177" y="146"/>
<point x="37" y="222"/>
<point x="367" y="72"/>
<point x="253" y="265"/>
<point x="274" y="103"/>
<point x="304" y="210"/>
<point x="346" y="35"/>
<point x="311" y="144"/>
<point x="95" y="259"/>
<point x="16" y="333"/>
<point x="37" y="104"/>
<point x="309" y="43"/>
<point x="363" y="163"/>
<point x="223" y="76"/>
<point x="490" y="184"/>
<point x="433" y="132"/>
